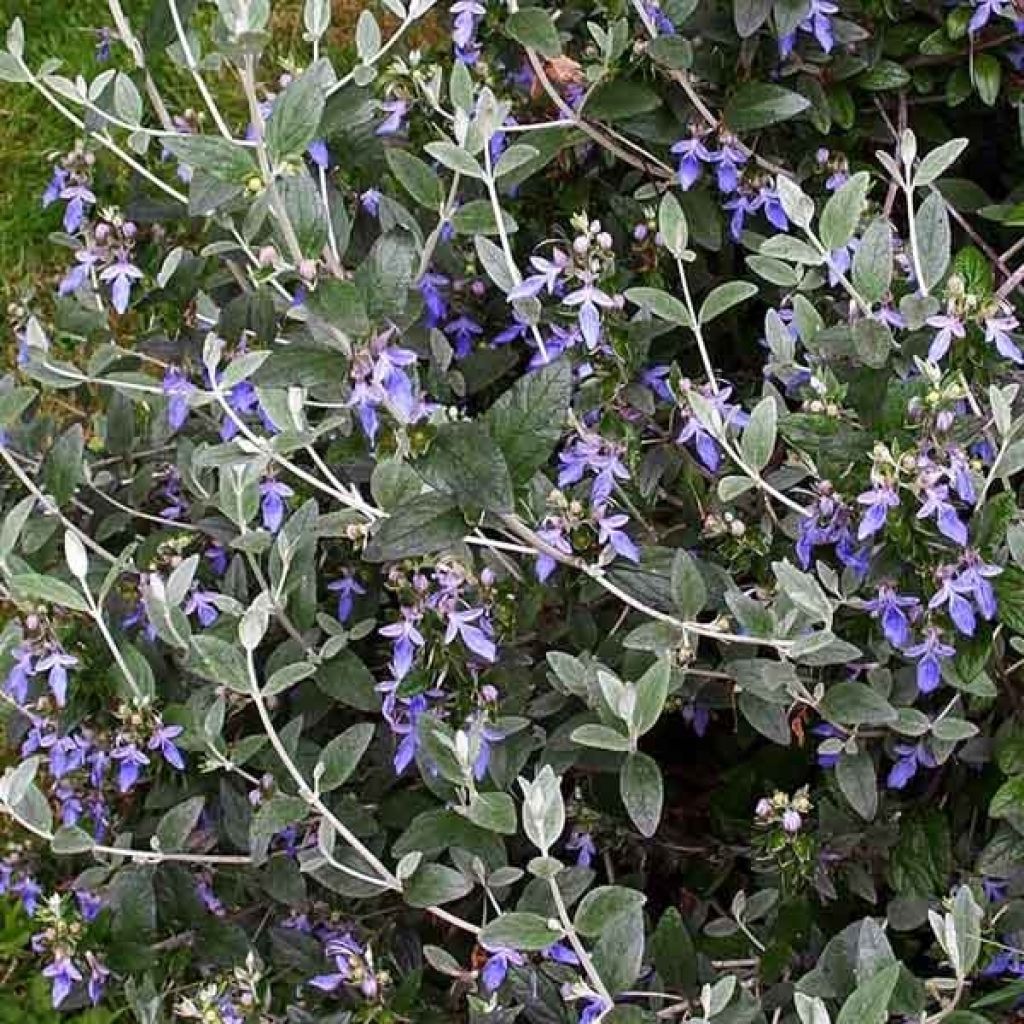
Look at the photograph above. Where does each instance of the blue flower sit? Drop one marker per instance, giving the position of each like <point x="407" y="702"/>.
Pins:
<point x="930" y="652"/>
<point x="877" y="501"/>
<point x="273" y="504"/>
<point x="909" y="758"/>
<point x="496" y="968"/>
<point x="888" y="606"/>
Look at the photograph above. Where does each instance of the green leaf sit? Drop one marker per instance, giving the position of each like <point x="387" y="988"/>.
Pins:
<point x="31" y="586"/>
<point x="70" y="839"/>
<point x="178" y="824"/>
<point x="651" y="693"/>
<point x="465" y="461"/>
<point x="295" y="118"/>
<point x="872" y="341"/>
<point x="64" y="468"/>
<point x="749" y="15"/>
<point x="222" y="159"/>
<point x="428" y="523"/>
<point x="1009" y="588"/>
<point x="642" y="791"/>
<point x="274" y="814"/>
<point x="934" y="239"/>
<point x="938" y="161"/>
<point x="518" y="930"/>
<point x="672" y="52"/>
<point x="672" y="225"/>
<point x="689" y="592"/>
<point x="495" y="812"/>
<point x="534" y="28"/>
<point x="602" y="906"/>
<point x="218" y="661"/>
<point x="341" y="756"/>
<point x="618" y="953"/>
<point x="661" y="304"/>
<point x="434" y="884"/>
<point x="872" y="262"/>
<point x="13" y="403"/>
<point x="477" y="218"/>
<point x="759" y="104"/>
<point x="621" y="99"/>
<point x="804" y="591"/>
<point x="758" y="440"/>
<point x="842" y="212"/>
<point x="850" y="703"/>
<point x="305" y="209"/>
<point x="723" y="298"/>
<point x="869" y="1001"/>
<point x="527" y="420"/>
<point x="675" y="956"/>
<point x="600" y="737"/>
<point x="1008" y="801"/>
<point x="988" y="77"/>
<point x="455" y="158"/>
<point x="855" y="774"/>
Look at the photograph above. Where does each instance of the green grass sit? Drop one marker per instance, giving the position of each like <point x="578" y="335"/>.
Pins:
<point x="30" y="130"/>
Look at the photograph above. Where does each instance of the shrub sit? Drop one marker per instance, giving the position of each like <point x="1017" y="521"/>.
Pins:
<point x="523" y="529"/>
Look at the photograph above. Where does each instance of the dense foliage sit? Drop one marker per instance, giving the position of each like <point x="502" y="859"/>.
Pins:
<point x="520" y="527"/>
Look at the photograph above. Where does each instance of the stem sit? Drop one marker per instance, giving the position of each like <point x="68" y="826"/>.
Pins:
<point x="256" y="116"/>
<point x="506" y="247"/>
<point x="695" y="327"/>
<point x="30" y="485"/>
<point x="915" y="251"/>
<point x="103" y="139"/>
<point x="193" y="68"/>
<point x="578" y="948"/>
<point x="97" y="614"/>
<point x="386" y="879"/>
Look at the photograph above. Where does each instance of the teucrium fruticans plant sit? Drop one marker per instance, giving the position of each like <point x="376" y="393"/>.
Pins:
<point x="523" y="526"/>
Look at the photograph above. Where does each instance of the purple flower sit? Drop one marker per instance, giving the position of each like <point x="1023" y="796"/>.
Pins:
<point x="595" y="1010"/>
<point x="406" y="639"/>
<point x="394" y="122"/>
<point x="959" y="608"/>
<point x="89" y="904"/>
<point x="949" y="327"/>
<point x="936" y="504"/>
<point x="496" y="968"/>
<point x="791" y="821"/>
<point x="464" y="330"/>
<point x="929" y="654"/>
<point x="28" y="890"/>
<point x="974" y="580"/>
<point x="318" y="154"/>
<point x="476" y="638"/>
<point x="55" y="187"/>
<point x="98" y="975"/>
<point x="162" y="740"/>
<point x="79" y="198"/>
<point x="370" y="201"/>
<point x="611" y="534"/>
<point x="273" y="506"/>
<point x="64" y="974"/>
<point x="693" y="154"/>
<point x="997" y="332"/>
<point x="120" y="275"/>
<point x="202" y="603"/>
<point x="347" y="588"/>
<point x="878" y="501"/>
<point x="729" y="161"/>
<point x="131" y="760"/>
<point x="888" y="606"/>
<point x="985" y="10"/>
<point x="177" y="387"/>
<point x="554" y="536"/>
<point x="909" y="758"/>
<point x="431" y="288"/>
<point x="56" y="664"/>
<point x="817" y="22"/>
<point x="560" y="953"/>
<point x="582" y="843"/>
